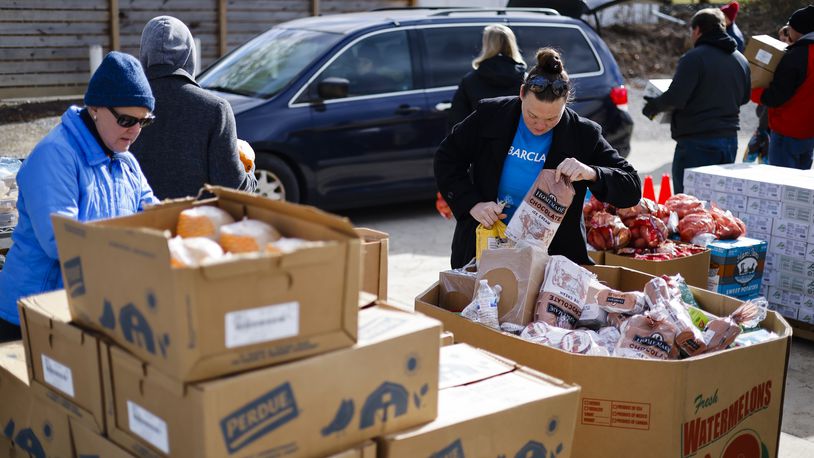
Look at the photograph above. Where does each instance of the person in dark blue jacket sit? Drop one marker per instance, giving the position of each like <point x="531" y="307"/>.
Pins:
<point x="711" y="83"/>
<point x="82" y="169"/>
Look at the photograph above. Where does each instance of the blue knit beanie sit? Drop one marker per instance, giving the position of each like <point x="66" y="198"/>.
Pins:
<point x="119" y="82"/>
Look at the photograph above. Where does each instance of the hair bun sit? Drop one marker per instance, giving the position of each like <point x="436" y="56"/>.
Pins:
<point x="549" y="61"/>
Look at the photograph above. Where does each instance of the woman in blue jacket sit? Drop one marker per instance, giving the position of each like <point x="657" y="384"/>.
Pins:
<point x="82" y="169"/>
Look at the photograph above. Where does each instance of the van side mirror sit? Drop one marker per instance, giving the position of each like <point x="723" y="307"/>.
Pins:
<point x="333" y="88"/>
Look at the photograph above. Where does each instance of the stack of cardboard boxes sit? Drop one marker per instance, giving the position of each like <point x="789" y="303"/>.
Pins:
<point x="777" y="206"/>
<point x="257" y="356"/>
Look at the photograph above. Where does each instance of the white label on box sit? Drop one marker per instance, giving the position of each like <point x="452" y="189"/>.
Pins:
<point x="148" y="426"/>
<point x="57" y="375"/>
<point x="262" y="324"/>
<point x="763" y="56"/>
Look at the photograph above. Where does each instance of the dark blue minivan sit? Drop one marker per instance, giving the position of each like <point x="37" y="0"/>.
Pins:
<point x="348" y="110"/>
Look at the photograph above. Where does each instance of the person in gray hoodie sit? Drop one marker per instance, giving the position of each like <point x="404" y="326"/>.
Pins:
<point x="193" y="140"/>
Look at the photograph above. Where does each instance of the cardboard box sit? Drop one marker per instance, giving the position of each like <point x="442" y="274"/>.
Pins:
<point x="35" y="426"/>
<point x="793" y="265"/>
<point x="795" y="283"/>
<point x="447" y="338"/>
<point x="62" y="358"/>
<point x="490" y="406"/>
<point x="763" y="53"/>
<point x="311" y="407"/>
<point x="366" y="450"/>
<point x="375" y="247"/>
<point x="88" y="444"/>
<point x="736" y="267"/>
<point x="241" y="313"/>
<point x="783" y="246"/>
<point x="767" y="207"/>
<point x="761" y="224"/>
<point x="655" y="88"/>
<point x="792" y="230"/>
<point x="799" y="213"/>
<point x="730" y="201"/>
<point x="598" y="257"/>
<point x="9" y="450"/>
<point x="694" y="269"/>
<point x="676" y="406"/>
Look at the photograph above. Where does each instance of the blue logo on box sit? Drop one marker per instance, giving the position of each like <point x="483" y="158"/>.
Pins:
<point x="388" y="395"/>
<point x="259" y="417"/>
<point x="453" y="450"/>
<point x="26" y="439"/>
<point x="75" y="284"/>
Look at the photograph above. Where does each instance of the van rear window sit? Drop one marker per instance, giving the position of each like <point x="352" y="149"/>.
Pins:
<point x="576" y="51"/>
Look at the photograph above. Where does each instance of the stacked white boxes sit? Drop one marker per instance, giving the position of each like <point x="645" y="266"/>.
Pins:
<point x="779" y="208"/>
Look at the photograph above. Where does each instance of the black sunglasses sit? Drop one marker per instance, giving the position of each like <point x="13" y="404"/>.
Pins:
<point x="130" y="121"/>
<point x="539" y="84"/>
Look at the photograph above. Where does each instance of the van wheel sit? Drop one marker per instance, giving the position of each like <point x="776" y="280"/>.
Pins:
<point x="276" y="180"/>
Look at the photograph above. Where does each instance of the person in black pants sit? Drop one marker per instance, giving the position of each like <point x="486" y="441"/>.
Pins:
<point x="498" y="151"/>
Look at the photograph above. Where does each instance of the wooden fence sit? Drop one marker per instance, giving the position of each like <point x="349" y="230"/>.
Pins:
<point x="44" y="44"/>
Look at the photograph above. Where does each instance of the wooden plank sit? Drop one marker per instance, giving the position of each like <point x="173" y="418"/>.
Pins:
<point x="53" y="5"/>
<point x="11" y="54"/>
<point x="41" y="91"/>
<point x="270" y="18"/>
<point x="188" y="17"/>
<point x="53" y="15"/>
<point x="52" y="28"/>
<point x="248" y="27"/>
<point x="259" y="5"/>
<point x="161" y="5"/>
<point x="134" y="42"/>
<point x="40" y="79"/>
<point x="314" y="7"/>
<point x="115" y="33"/>
<point x="41" y="66"/>
<point x="24" y="41"/>
<point x="197" y="28"/>
<point x="223" y="27"/>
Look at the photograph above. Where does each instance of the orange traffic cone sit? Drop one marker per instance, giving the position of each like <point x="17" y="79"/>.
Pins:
<point x="666" y="189"/>
<point x="649" y="192"/>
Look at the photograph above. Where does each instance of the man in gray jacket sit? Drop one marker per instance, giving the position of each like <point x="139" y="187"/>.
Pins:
<point x="711" y="82"/>
<point x="193" y="139"/>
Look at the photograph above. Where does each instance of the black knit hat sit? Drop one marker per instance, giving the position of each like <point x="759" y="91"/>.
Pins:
<point x="802" y="20"/>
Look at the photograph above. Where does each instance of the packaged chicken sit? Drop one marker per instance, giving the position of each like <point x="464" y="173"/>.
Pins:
<point x="594" y="205"/>
<point x="193" y="251"/>
<point x="247" y="236"/>
<point x="648" y="336"/>
<point x="644" y="207"/>
<point x="696" y="224"/>
<point x="727" y="226"/>
<point x="204" y="221"/>
<point x="647" y="231"/>
<point x="606" y="232"/>
<point x="684" y="205"/>
<point x="563" y="293"/>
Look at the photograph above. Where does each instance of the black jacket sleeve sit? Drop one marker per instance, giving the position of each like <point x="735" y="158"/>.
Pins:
<point x="788" y="77"/>
<point x="617" y="181"/>
<point x="684" y="82"/>
<point x="452" y="162"/>
<point x="461" y="107"/>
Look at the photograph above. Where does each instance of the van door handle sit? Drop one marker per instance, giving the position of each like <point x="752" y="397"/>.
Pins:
<point x="443" y="106"/>
<point x="407" y="109"/>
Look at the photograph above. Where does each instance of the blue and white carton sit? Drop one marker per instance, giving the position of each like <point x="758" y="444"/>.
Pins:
<point x="736" y="267"/>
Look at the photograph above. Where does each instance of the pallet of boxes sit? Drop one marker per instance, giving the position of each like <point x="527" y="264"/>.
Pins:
<point x="666" y="369"/>
<point x="231" y="327"/>
<point x="777" y="205"/>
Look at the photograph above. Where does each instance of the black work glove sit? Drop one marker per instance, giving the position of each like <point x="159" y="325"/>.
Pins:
<point x="651" y="107"/>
